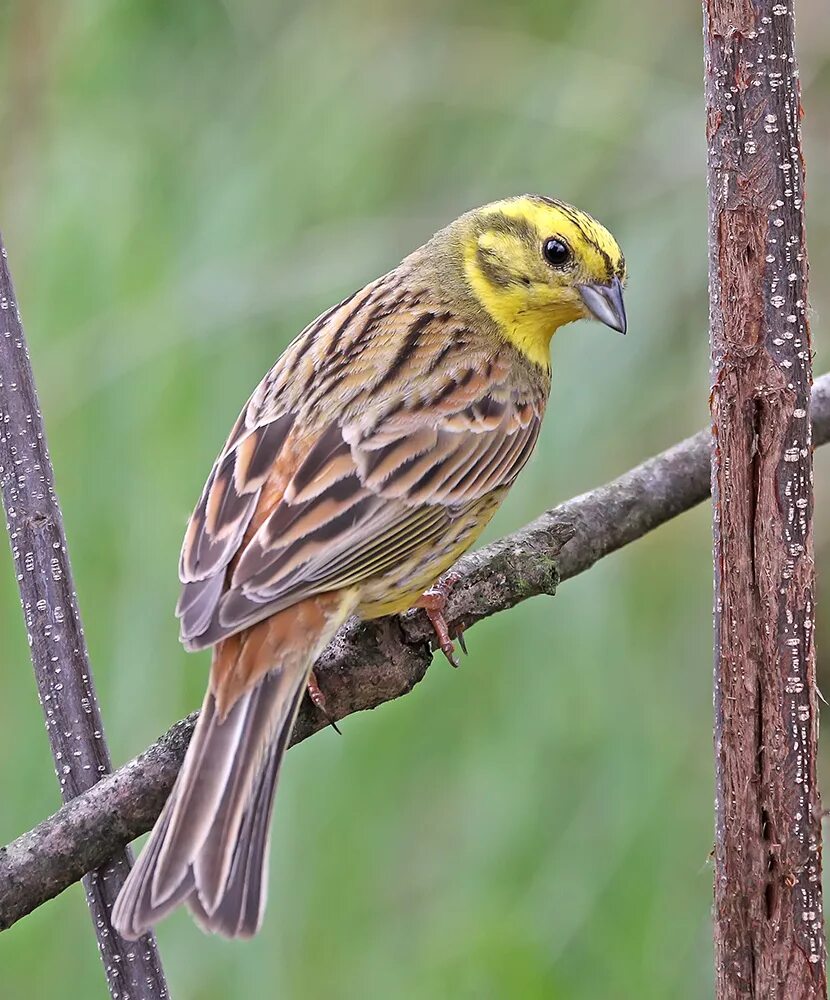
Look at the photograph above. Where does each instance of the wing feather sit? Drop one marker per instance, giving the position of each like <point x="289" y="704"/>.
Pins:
<point x="229" y="499"/>
<point x="289" y="511"/>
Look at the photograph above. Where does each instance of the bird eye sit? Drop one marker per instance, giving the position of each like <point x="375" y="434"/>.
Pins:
<point x="556" y="252"/>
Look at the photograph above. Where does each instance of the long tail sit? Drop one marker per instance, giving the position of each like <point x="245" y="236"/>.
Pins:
<point x="209" y="845"/>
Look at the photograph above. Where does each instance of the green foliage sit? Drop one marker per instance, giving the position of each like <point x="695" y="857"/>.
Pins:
<point x="183" y="186"/>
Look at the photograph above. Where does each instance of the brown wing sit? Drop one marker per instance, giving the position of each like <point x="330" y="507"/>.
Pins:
<point x="289" y="511"/>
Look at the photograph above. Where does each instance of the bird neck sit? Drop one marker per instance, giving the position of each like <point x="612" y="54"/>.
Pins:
<point x="503" y="313"/>
<point x="529" y="330"/>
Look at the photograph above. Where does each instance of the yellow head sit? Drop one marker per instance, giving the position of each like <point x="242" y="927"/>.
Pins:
<point x="534" y="264"/>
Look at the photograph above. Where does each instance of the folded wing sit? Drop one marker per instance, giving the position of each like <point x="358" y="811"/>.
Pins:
<point x="286" y="513"/>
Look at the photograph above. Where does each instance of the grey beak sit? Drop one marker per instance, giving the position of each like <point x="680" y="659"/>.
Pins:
<point x="605" y="303"/>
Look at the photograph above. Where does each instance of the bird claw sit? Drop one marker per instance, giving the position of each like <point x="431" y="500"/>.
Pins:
<point x="434" y="603"/>
<point x="319" y="701"/>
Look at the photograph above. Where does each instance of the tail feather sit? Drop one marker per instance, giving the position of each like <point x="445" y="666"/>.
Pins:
<point x="185" y="857"/>
<point x="199" y="790"/>
<point x="273" y="708"/>
<point x="134" y="912"/>
<point x="239" y="912"/>
<point x="209" y="846"/>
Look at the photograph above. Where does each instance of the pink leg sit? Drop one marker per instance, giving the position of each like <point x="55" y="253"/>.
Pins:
<point x="319" y="700"/>
<point x="434" y="602"/>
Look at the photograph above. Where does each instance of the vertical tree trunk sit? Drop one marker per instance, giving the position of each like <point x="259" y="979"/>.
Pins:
<point x="769" y="933"/>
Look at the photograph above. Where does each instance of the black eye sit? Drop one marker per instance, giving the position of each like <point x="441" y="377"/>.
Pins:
<point x="557" y="252"/>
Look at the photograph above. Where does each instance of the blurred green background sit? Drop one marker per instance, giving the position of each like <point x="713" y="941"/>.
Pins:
<point x="182" y="187"/>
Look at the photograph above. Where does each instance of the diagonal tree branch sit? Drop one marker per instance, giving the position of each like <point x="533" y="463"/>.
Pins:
<point x="370" y="663"/>
<point x="56" y="637"/>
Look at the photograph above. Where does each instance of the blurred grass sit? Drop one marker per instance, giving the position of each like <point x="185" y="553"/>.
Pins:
<point x="181" y="188"/>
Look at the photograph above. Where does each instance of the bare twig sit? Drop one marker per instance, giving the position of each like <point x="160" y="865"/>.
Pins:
<point x="58" y="649"/>
<point x="769" y="930"/>
<point x="371" y="663"/>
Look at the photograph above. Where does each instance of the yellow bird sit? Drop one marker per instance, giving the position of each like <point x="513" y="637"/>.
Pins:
<point x="367" y="460"/>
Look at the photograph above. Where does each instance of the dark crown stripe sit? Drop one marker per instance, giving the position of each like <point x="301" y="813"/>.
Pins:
<point x="578" y="219"/>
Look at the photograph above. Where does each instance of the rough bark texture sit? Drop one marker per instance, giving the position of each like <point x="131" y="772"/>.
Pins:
<point x="769" y="934"/>
<point x="367" y="664"/>
<point x="56" y="639"/>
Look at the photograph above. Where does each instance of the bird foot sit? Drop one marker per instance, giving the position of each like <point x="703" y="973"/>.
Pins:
<point x="319" y="701"/>
<point x="434" y="603"/>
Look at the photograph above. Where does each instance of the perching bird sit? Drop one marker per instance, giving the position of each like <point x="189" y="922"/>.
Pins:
<point x="367" y="460"/>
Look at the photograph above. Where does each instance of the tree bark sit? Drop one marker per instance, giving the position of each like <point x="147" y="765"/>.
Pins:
<point x="372" y="662"/>
<point x="56" y="638"/>
<point x="769" y="934"/>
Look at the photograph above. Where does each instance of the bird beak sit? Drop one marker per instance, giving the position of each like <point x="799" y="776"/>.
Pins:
<point x="605" y="303"/>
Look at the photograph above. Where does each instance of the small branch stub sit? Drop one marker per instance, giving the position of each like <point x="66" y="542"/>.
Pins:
<point x="769" y="933"/>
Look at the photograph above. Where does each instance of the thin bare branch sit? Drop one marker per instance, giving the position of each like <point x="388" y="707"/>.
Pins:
<point x="56" y="638"/>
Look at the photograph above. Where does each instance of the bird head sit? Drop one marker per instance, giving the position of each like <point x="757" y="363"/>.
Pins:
<point x="533" y="264"/>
